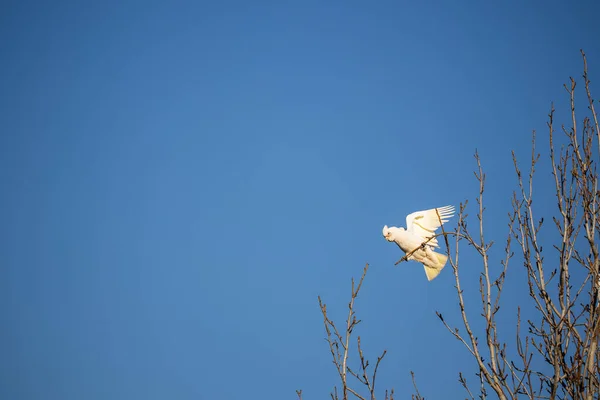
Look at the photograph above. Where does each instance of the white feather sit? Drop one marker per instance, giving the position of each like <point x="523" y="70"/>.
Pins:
<point x="425" y="223"/>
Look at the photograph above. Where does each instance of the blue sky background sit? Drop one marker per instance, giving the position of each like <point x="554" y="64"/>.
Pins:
<point x="180" y="180"/>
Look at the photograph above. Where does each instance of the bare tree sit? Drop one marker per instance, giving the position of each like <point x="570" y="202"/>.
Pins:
<point x="555" y="353"/>
<point x="558" y="354"/>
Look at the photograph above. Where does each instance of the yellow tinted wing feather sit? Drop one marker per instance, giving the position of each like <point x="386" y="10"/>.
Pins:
<point x="425" y="223"/>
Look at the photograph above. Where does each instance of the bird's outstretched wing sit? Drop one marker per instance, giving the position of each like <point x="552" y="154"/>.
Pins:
<point x="424" y="223"/>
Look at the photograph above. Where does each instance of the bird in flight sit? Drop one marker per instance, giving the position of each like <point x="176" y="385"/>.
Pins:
<point x="420" y="228"/>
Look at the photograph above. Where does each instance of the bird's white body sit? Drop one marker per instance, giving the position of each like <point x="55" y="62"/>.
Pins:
<point x="421" y="227"/>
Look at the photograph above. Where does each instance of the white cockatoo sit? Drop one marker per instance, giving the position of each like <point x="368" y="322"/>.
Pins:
<point x="420" y="226"/>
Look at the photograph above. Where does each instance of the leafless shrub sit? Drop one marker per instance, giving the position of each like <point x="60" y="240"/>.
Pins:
<point x="339" y="345"/>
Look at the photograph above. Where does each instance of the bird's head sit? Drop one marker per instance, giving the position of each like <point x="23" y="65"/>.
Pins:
<point x="387" y="234"/>
<point x="390" y="233"/>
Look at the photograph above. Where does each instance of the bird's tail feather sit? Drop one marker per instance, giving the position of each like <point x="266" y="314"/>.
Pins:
<point x="431" y="271"/>
<point x="442" y="258"/>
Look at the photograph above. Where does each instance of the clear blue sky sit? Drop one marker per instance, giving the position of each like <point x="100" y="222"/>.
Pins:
<point x="180" y="180"/>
